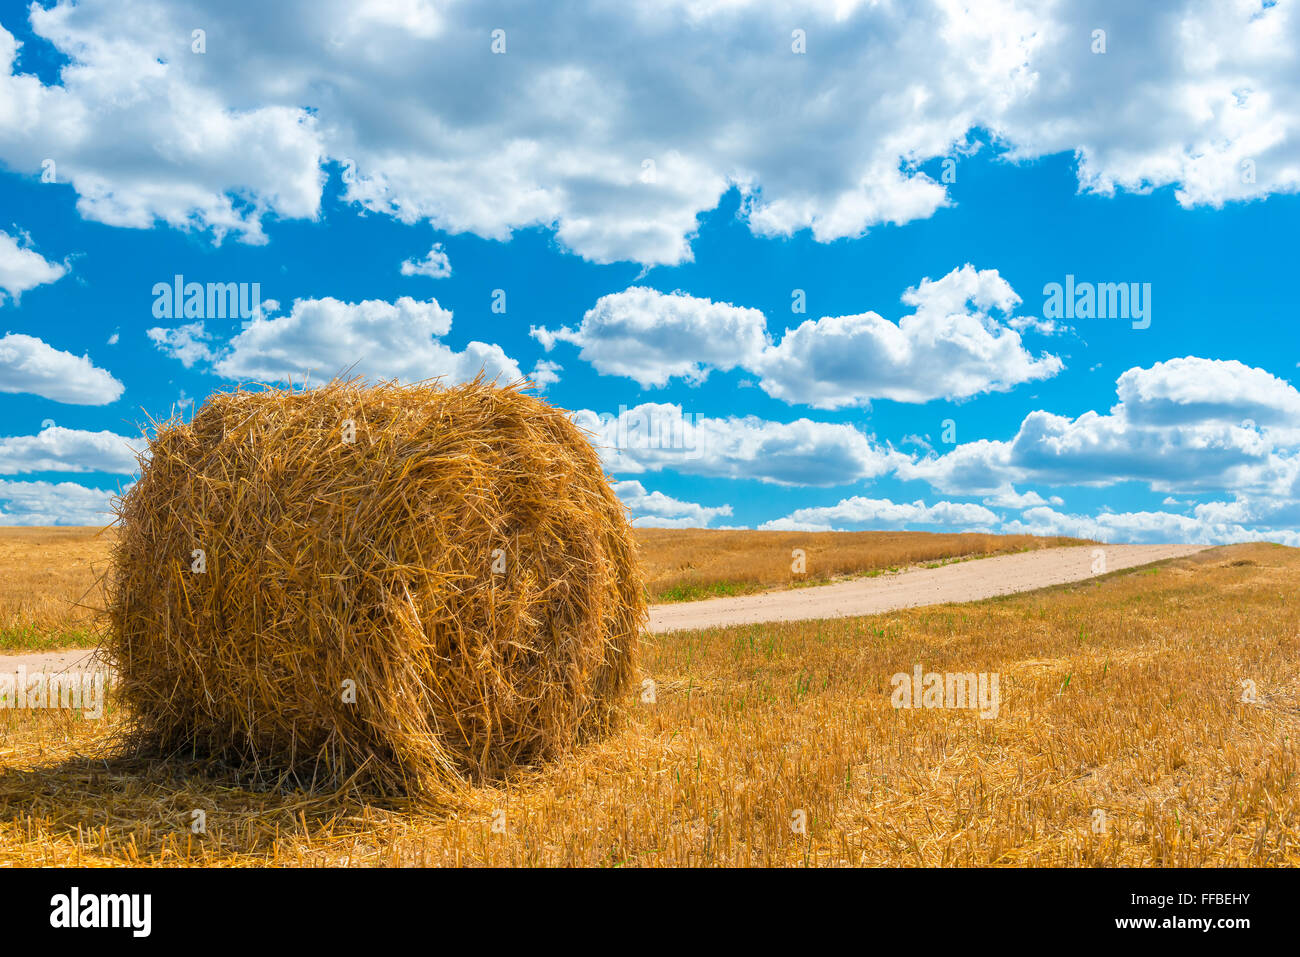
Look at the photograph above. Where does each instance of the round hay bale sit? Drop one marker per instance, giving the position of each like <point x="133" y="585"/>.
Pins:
<point x="393" y="587"/>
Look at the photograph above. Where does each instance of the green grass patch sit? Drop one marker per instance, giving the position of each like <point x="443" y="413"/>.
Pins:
<point x="723" y="589"/>
<point x="32" y="638"/>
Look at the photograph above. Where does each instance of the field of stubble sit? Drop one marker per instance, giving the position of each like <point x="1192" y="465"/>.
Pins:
<point x="48" y="576"/>
<point x="1121" y="739"/>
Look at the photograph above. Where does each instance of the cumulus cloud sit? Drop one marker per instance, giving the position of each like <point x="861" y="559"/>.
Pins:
<point x="189" y="343"/>
<point x="435" y="265"/>
<point x="1194" y="390"/>
<point x="951" y="346"/>
<point x="1097" y="449"/>
<point x="655" y="436"/>
<point x="618" y="146"/>
<point x="545" y="374"/>
<point x="57" y="449"/>
<point x="51" y="503"/>
<point x="857" y="512"/>
<point x="1197" y="95"/>
<point x="1181" y="425"/>
<point x="657" y="510"/>
<point x="1008" y="497"/>
<point x="28" y="364"/>
<point x="23" y="268"/>
<point x="1212" y="523"/>
<point x="651" y="337"/>
<point x="320" y="338"/>
<point x="145" y="132"/>
<point x="1144" y="527"/>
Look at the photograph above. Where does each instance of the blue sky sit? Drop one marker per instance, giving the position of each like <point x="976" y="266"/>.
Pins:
<point x="652" y="205"/>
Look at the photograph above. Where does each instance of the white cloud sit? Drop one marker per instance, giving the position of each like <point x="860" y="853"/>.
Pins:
<point x="1143" y="527"/>
<point x="1213" y="523"/>
<point x="145" y="130"/>
<point x="49" y="503"/>
<point x="1103" y="449"/>
<point x="1192" y="389"/>
<point x="1179" y="426"/>
<point x="23" y="268"/>
<point x="858" y="512"/>
<point x="435" y="265"/>
<point x="651" y="337"/>
<point x="1199" y="95"/>
<point x="321" y="338"/>
<point x="28" y="364"/>
<point x="57" y="449"/>
<point x="981" y="467"/>
<point x="1186" y="425"/>
<point x="657" y="510"/>
<point x="1008" y="497"/>
<point x="1263" y="511"/>
<point x="556" y="132"/>
<point x="189" y="343"/>
<point x="545" y="374"/>
<point x="918" y="441"/>
<point x="950" y="347"/>
<point x="655" y="436"/>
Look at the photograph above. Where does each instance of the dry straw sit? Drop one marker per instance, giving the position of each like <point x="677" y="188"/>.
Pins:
<point x="454" y="555"/>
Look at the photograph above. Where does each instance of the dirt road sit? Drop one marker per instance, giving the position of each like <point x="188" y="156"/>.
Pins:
<point x="78" y="659"/>
<point x="963" y="581"/>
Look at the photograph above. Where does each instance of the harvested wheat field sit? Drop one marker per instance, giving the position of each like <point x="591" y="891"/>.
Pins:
<point x="1121" y="705"/>
<point x="696" y="563"/>
<point x="922" y="585"/>
<point x="49" y="586"/>
<point x="48" y="589"/>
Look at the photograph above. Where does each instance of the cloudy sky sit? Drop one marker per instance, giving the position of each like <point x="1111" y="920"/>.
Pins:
<point x="1027" y="268"/>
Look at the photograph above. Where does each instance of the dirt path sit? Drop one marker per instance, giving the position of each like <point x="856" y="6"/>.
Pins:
<point x="963" y="581"/>
<point x="75" y="659"/>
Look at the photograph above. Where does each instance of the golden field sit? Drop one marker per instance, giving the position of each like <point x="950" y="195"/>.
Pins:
<point x="48" y="575"/>
<point x="686" y="564"/>
<point x="48" y="586"/>
<point x="1120" y="695"/>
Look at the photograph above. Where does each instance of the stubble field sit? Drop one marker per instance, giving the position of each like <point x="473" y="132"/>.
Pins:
<point x="48" y="575"/>
<point x="1122" y="738"/>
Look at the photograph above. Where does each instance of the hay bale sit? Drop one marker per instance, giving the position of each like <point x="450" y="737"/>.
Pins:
<point x="462" y="563"/>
